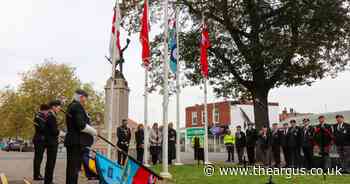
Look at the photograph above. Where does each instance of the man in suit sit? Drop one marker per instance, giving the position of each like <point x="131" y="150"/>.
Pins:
<point x="341" y="131"/>
<point x="293" y="142"/>
<point x="284" y="144"/>
<point x="306" y="142"/>
<point x="51" y="140"/>
<point x="276" y="144"/>
<point x="240" y="143"/>
<point x="39" y="139"/>
<point x="124" y="136"/>
<point x="251" y="136"/>
<point x="79" y="135"/>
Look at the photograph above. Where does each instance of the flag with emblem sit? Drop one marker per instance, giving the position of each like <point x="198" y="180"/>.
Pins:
<point x="114" y="43"/>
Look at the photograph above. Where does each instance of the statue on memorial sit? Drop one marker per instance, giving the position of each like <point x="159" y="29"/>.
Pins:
<point x="119" y="73"/>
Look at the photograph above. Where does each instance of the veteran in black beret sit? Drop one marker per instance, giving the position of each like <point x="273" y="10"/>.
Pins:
<point x="79" y="135"/>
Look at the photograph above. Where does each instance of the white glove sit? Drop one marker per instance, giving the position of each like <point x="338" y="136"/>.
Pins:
<point x="90" y="130"/>
<point x="62" y="134"/>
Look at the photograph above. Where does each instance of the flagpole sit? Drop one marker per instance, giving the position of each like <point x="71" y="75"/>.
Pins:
<point x="146" y="132"/>
<point x="206" y="160"/>
<point x="165" y="173"/>
<point x="146" y="139"/>
<point x="178" y="145"/>
<point x="111" y="99"/>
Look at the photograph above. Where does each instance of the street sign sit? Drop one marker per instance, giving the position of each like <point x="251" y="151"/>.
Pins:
<point x="195" y="131"/>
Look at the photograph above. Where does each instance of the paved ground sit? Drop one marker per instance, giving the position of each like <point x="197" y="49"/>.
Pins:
<point x="17" y="165"/>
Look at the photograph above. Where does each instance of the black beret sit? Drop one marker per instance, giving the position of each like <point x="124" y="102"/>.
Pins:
<point x="55" y="103"/>
<point x="339" y="116"/>
<point x="81" y="92"/>
<point x="44" y="107"/>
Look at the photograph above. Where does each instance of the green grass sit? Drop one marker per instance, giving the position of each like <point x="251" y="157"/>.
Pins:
<point x="192" y="174"/>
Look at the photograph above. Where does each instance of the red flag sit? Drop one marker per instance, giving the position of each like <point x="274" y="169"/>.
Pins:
<point x="144" y="35"/>
<point x="205" y="44"/>
<point x="115" y="35"/>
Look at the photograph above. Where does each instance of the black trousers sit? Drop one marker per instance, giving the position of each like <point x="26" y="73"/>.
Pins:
<point x="121" y="156"/>
<point x="294" y="157"/>
<point x="39" y="150"/>
<point x="286" y="156"/>
<point x="155" y="153"/>
<point x="139" y="154"/>
<point x="240" y="152"/>
<point x="251" y="154"/>
<point x="276" y="152"/>
<point x="74" y="161"/>
<point x="230" y="152"/>
<point x="308" y="154"/>
<point x="51" y="155"/>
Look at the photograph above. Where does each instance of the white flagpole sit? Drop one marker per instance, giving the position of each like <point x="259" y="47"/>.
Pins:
<point x="146" y="139"/>
<point x="165" y="173"/>
<point x="111" y="99"/>
<point x="206" y="160"/>
<point x="145" y="130"/>
<point x="178" y="145"/>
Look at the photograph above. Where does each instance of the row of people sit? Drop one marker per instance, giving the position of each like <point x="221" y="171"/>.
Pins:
<point x="293" y="140"/>
<point x="155" y="140"/>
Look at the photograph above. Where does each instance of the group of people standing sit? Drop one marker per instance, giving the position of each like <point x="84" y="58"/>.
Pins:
<point x="78" y="137"/>
<point x="299" y="144"/>
<point x="156" y="141"/>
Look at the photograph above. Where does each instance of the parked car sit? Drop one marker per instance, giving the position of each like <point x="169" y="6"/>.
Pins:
<point x="12" y="146"/>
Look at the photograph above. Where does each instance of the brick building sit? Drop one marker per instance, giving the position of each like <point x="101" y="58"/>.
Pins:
<point x="226" y="113"/>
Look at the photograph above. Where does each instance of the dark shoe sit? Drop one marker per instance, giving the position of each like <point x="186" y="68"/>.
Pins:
<point x="38" y="178"/>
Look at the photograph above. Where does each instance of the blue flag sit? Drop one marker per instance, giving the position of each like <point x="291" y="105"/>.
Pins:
<point x="173" y="48"/>
<point x="109" y="171"/>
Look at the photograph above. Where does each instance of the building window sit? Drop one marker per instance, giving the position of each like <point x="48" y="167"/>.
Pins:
<point x="216" y="115"/>
<point x="194" y="118"/>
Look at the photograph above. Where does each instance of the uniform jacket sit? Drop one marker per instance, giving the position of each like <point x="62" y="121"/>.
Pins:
<point x="293" y="137"/>
<point x="123" y="135"/>
<point x="276" y="138"/>
<point x="284" y="138"/>
<point x="240" y="139"/>
<point x="307" y="135"/>
<point x="76" y="119"/>
<point x="342" y="134"/>
<point x="264" y="140"/>
<point x="51" y="129"/>
<point x="39" y="126"/>
<point x="251" y="136"/>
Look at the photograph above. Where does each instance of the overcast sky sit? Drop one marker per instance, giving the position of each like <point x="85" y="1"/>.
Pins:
<point x="77" y="33"/>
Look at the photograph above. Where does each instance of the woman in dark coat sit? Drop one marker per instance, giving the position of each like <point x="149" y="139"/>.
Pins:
<point x="171" y="143"/>
<point x="139" y="137"/>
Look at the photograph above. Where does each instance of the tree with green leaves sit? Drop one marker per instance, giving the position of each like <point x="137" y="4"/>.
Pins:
<point x="45" y="82"/>
<point x="256" y="45"/>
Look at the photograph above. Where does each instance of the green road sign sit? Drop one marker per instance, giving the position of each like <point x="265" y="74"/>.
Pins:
<point x="195" y="131"/>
